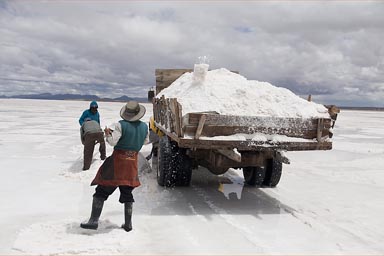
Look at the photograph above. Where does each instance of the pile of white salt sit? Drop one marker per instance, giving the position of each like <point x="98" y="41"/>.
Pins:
<point x="229" y="93"/>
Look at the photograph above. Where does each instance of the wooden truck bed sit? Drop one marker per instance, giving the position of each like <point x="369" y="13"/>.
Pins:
<point x="245" y="133"/>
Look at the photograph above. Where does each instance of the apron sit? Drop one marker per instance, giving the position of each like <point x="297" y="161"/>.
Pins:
<point x="119" y="169"/>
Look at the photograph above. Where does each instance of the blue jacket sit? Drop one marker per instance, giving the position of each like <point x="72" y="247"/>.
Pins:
<point x="88" y="114"/>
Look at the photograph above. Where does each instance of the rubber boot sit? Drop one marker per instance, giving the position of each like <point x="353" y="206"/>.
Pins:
<point x="127" y="226"/>
<point x="97" y="207"/>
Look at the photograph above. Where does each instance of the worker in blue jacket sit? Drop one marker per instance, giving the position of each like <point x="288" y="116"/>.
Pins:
<point x="91" y="113"/>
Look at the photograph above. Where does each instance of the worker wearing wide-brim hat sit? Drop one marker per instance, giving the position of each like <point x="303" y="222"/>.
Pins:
<point x="120" y="169"/>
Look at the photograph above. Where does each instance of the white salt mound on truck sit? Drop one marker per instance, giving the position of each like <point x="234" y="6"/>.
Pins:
<point x="228" y="93"/>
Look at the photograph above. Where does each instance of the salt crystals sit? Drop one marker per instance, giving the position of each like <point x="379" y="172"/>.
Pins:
<point x="228" y="93"/>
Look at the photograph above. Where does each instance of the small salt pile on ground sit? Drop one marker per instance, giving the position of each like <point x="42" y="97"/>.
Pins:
<point x="229" y="93"/>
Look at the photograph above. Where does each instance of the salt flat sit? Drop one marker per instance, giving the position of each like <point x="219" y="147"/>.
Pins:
<point x="327" y="202"/>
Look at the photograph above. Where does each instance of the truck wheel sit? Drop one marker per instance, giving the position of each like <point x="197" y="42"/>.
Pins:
<point x="166" y="162"/>
<point x="274" y="169"/>
<point x="254" y="176"/>
<point x="183" y="168"/>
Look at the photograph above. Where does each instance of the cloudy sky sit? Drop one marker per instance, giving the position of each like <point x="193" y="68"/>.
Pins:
<point x="333" y="50"/>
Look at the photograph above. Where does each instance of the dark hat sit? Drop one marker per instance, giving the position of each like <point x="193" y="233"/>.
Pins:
<point x="93" y="104"/>
<point x="132" y="111"/>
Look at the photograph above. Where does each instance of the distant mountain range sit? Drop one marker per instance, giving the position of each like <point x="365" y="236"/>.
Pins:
<point x="49" y="96"/>
<point x="124" y="98"/>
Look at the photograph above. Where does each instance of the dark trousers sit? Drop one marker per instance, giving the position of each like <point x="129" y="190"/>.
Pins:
<point x="90" y="140"/>
<point x="103" y="192"/>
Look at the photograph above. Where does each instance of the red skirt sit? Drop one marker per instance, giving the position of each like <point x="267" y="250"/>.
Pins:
<point x="121" y="168"/>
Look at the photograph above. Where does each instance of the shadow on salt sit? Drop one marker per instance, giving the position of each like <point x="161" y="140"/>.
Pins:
<point x="210" y="194"/>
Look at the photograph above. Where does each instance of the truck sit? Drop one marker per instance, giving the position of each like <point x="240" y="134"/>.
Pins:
<point x="189" y="140"/>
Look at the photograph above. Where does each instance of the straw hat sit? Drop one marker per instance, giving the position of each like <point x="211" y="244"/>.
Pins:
<point x="132" y="111"/>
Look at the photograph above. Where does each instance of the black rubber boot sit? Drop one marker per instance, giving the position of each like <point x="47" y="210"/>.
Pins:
<point x="127" y="226"/>
<point x="97" y="207"/>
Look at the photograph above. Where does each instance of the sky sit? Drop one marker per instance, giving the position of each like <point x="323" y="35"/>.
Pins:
<point x="326" y="203"/>
<point x="332" y="50"/>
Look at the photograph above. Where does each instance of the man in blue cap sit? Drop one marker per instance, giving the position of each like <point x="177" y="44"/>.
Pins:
<point x="91" y="113"/>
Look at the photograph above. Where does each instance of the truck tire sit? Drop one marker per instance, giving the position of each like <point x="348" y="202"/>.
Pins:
<point x="273" y="172"/>
<point x="183" y="168"/>
<point x="254" y="176"/>
<point x="166" y="162"/>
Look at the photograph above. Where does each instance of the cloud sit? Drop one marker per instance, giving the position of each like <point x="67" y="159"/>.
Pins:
<point x="113" y="48"/>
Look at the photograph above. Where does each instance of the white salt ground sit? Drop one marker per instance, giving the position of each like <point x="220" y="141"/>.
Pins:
<point x="229" y="93"/>
<point x="327" y="202"/>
